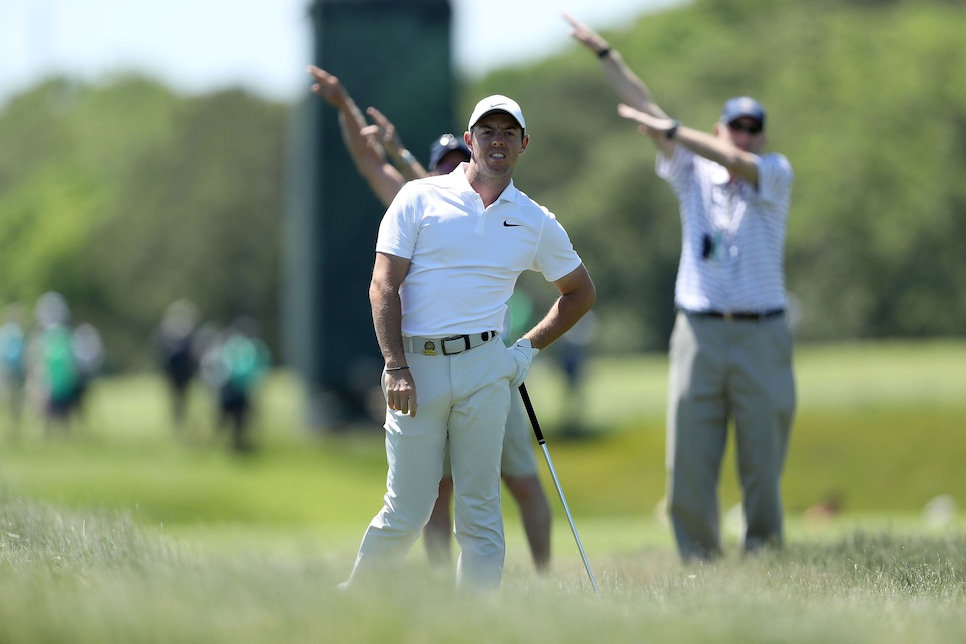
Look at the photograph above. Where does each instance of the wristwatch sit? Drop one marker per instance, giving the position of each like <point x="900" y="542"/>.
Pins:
<point x="407" y="157"/>
<point x="673" y="130"/>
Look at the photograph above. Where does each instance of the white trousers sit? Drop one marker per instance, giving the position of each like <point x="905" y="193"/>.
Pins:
<point x="519" y="459"/>
<point x="465" y="397"/>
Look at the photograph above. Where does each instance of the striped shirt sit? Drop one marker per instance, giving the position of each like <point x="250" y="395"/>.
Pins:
<point x="733" y="236"/>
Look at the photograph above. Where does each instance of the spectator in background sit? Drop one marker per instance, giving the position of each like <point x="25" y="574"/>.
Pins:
<point x="573" y="354"/>
<point x="731" y="348"/>
<point x="88" y="350"/>
<point x="235" y="367"/>
<point x="176" y="341"/>
<point x="13" y="363"/>
<point x="52" y="365"/>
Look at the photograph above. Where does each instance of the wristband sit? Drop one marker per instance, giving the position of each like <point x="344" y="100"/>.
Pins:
<point x="396" y="368"/>
<point x="671" y="131"/>
<point x="603" y="53"/>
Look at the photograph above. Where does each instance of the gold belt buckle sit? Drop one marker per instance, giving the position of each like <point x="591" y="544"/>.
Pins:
<point x="429" y="348"/>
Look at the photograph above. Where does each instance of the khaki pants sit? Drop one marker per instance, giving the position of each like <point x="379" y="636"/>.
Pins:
<point x="723" y="370"/>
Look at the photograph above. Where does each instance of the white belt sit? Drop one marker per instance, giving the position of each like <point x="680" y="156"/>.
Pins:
<point x="447" y="346"/>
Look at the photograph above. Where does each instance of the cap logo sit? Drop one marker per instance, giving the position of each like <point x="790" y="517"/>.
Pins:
<point x="494" y="103"/>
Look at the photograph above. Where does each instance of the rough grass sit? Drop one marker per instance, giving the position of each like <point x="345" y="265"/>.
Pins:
<point x="125" y="529"/>
<point x="98" y="577"/>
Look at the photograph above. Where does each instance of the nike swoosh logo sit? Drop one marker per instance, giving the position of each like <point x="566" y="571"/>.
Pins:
<point x="509" y="225"/>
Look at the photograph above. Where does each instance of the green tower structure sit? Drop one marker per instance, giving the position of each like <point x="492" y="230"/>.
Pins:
<point x="394" y="55"/>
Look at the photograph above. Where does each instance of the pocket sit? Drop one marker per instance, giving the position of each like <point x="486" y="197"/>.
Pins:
<point x="511" y="364"/>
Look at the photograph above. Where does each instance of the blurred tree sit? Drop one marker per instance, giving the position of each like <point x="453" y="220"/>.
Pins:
<point x="199" y="218"/>
<point x="864" y="100"/>
<point x="124" y="196"/>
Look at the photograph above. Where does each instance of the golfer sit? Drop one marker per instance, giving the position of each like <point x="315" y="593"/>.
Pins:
<point x="731" y="350"/>
<point x="449" y="251"/>
<point x="380" y="156"/>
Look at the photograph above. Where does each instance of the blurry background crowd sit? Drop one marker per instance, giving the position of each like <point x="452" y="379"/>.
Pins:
<point x="49" y="360"/>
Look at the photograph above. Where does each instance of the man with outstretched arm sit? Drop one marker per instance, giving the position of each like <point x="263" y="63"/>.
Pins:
<point x="731" y="349"/>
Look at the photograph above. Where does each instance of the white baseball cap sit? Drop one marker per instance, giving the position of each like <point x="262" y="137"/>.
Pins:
<point x="497" y="103"/>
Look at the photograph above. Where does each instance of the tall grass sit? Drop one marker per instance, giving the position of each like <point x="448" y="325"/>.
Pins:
<point x="126" y="529"/>
<point x="98" y="577"/>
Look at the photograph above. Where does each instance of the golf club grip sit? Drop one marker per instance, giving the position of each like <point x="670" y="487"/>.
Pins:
<point x="532" y="414"/>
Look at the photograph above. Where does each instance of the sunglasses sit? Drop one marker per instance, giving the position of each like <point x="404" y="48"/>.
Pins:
<point x="750" y="128"/>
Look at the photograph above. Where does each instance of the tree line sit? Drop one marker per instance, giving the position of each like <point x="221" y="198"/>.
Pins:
<point x="124" y="196"/>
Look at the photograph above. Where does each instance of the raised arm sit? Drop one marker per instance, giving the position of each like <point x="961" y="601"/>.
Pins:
<point x="384" y="133"/>
<point x="369" y="158"/>
<point x="739" y="162"/>
<point x="628" y="86"/>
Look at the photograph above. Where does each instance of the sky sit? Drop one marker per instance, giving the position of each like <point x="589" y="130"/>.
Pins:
<point x="196" y="46"/>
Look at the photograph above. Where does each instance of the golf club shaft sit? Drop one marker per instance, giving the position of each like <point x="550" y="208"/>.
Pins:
<point x="556" y="481"/>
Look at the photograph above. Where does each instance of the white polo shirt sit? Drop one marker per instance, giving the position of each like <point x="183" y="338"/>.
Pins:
<point x="465" y="259"/>
<point x="733" y="236"/>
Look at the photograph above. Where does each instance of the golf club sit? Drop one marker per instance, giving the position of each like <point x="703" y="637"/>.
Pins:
<point x="556" y="481"/>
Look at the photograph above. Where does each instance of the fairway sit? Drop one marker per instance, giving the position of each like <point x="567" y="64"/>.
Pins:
<point x="878" y="428"/>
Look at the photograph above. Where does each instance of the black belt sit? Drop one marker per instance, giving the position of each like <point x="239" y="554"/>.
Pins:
<point x="739" y="316"/>
<point x="447" y="346"/>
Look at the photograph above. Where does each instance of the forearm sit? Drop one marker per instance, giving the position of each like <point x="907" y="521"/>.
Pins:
<point x="577" y="297"/>
<point x="404" y="161"/>
<point x="385" y="134"/>
<point x="564" y="314"/>
<point x="368" y="157"/>
<point x="388" y="273"/>
<point x="351" y="123"/>
<point x="739" y="162"/>
<point x="387" y="276"/>
<point x="387" y="322"/>
<point x="628" y="86"/>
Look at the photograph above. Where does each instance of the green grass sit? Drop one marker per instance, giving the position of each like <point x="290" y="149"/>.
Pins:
<point x="98" y="577"/>
<point x="125" y="529"/>
<point x="878" y="426"/>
